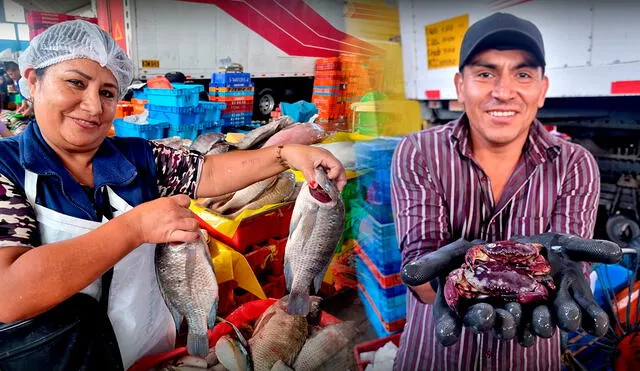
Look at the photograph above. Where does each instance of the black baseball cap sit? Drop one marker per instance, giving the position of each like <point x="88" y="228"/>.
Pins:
<point x="502" y="31"/>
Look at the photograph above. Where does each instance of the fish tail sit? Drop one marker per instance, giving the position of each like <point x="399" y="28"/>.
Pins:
<point x="298" y="304"/>
<point x="198" y="344"/>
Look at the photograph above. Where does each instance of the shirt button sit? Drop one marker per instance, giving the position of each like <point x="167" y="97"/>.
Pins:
<point x="483" y="179"/>
<point x="488" y="354"/>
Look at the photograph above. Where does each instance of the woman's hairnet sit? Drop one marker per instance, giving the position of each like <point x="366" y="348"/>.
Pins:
<point x="78" y="39"/>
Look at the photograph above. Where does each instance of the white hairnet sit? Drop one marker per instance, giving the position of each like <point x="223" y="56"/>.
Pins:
<point x="78" y="39"/>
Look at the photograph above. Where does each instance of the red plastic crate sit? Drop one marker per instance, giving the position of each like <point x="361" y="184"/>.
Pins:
<point x="274" y="288"/>
<point x="268" y="259"/>
<point x="256" y="229"/>
<point x="371" y="346"/>
<point x="384" y="281"/>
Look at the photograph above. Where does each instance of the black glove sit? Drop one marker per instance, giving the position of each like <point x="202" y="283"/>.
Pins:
<point x="572" y="305"/>
<point x="481" y="317"/>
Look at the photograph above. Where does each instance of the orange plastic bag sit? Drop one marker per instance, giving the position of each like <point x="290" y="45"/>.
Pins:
<point x="159" y="82"/>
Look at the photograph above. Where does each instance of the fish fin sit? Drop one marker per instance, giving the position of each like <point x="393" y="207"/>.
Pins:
<point x="177" y="317"/>
<point x="288" y="274"/>
<point x="212" y="314"/>
<point x="298" y="304"/>
<point x="198" y="344"/>
<point x="317" y="280"/>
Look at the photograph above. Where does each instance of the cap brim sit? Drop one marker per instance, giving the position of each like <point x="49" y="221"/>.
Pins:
<point x="507" y="39"/>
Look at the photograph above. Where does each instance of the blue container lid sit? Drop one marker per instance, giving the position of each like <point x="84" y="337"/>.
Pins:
<point x="178" y="89"/>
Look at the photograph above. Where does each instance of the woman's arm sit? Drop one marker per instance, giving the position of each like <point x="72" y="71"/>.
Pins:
<point x="35" y="278"/>
<point x="235" y="170"/>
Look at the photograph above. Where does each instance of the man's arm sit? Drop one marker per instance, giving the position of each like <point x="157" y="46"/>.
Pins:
<point x="419" y="210"/>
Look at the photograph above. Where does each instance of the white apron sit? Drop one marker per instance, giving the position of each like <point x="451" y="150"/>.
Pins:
<point x="141" y="320"/>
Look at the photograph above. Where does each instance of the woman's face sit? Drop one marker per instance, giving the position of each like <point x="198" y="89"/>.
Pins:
<point x="74" y="103"/>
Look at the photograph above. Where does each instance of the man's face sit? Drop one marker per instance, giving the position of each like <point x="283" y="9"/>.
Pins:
<point x="501" y="91"/>
<point x="14" y="73"/>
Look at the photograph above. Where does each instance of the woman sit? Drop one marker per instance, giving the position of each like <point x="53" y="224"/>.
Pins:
<point x="74" y="204"/>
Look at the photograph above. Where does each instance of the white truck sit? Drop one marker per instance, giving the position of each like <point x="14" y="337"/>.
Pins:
<point x="277" y="41"/>
<point x="593" y="64"/>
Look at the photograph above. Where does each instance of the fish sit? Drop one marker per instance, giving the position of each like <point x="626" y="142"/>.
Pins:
<point x="305" y="133"/>
<point x="219" y="148"/>
<point x="232" y="355"/>
<point x="277" y="336"/>
<point x="319" y="350"/>
<point x="256" y="137"/>
<point x="316" y="227"/>
<point x="247" y="194"/>
<point x="204" y="142"/>
<point x="215" y="201"/>
<point x="174" y="142"/>
<point x="280" y="366"/>
<point x="279" y="192"/>
<point x="188" y="285"/>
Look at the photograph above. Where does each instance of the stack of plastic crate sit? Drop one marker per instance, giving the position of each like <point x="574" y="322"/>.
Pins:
<point x="178" y="106"/>
<point x="327" y="90"/>
<point x="378" y="255"/>
<point x="360" y="75"/>
<point x="235" y="90"/>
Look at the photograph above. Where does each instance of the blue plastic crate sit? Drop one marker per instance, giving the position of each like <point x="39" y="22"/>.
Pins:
<point x="390" y="302"/>
<point x="375" y="187"/>
<point x="373" y="318"/>
<point x="231" y="79"/>
<point x="139" y="94"/>
<point x="185" y="131"/>
<point x="380" y="244"/>
<point x="232" y="93"/>
<point x="236" y="115"/>
<point x="182" y="95"/>
<point x="175" y="115"/>
<point x="376" y="153"/>
<point x="153" y="129"/>
<point x="211" y="110"/>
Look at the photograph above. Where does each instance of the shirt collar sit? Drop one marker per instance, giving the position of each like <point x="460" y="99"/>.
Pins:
<point x="540" y="145"/>
<point x="110" y="167"/>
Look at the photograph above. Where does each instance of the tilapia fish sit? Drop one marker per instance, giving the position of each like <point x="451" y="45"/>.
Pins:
<point x="277" y="336"/>
<point x="204" y="142"/>
<point x="189" y="288"/>
<point x="322" y="349"/>
<point x="247" y="194"/>
<point x="255" y="138"/>
<point x="315" y="230"/>
<point x="280" y="191"/>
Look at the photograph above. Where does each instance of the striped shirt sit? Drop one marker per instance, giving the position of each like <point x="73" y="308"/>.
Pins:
<point x="440" y="194"/>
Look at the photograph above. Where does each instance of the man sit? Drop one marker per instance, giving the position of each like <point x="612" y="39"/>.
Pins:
<point x="492" y="174"/>
<point x="20" y="87"/>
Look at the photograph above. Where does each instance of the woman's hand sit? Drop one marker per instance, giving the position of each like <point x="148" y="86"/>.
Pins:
<point x="307" y="158"/>
<point x="167" y="219"/>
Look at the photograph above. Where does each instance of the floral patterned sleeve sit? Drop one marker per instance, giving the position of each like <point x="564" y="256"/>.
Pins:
<point x="18" y="225"/>
<point x="178" y="170"/>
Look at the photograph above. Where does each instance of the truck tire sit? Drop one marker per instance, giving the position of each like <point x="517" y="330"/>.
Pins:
<point x="622" y="230"/>
<point x="266" y="102"/>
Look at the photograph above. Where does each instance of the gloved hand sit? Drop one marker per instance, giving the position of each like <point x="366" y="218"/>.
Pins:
<point x="481" y="317"/>
<point x="572" y="305"/>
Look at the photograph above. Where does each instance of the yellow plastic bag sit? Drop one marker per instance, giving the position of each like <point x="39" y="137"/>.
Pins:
<point x="224" y="225"/>
<point x="230" y="265"/>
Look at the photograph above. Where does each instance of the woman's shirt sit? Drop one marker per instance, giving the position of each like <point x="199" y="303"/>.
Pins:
<point x="177" y="172"/>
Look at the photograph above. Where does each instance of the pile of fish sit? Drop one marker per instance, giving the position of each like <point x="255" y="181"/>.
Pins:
<point x="280" y="341"/>
<point x="276" y="189"/>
